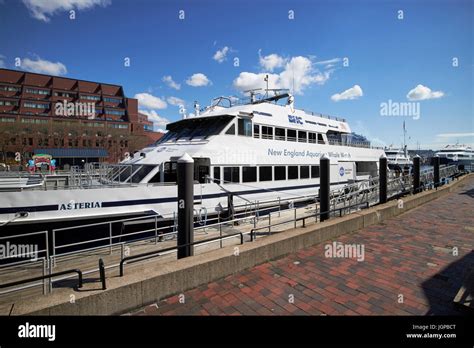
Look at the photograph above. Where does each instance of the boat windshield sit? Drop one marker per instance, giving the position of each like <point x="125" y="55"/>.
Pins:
<point x="195" y="128"/>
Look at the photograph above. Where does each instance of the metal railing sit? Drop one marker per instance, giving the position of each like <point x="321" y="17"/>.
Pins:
<point x="155" y="253"/>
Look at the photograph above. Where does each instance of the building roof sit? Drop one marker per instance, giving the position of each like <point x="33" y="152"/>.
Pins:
<point x="73" y="153"/>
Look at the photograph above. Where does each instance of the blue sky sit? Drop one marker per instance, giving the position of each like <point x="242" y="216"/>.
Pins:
<point x="407" y="59"/>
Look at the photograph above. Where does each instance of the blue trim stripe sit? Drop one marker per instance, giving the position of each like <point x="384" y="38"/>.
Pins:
<point x="53" y="207"/>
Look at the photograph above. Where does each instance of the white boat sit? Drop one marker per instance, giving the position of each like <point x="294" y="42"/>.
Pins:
<point x="256" y="149"/>
<point x="459" y="154"/>
<point x="397" y="157"/>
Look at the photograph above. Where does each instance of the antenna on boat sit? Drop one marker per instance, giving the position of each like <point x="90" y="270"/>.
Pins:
<point x="252" y="94"/>
<point x="266" y="90"/>
<point x="196" y="108"/>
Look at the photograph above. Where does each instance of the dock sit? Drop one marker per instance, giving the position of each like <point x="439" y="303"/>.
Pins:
<point x="407" y="251"/>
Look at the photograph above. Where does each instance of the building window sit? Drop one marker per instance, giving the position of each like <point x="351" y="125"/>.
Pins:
<point x="7" y="119"/>
<point x="256" y="131"/>
<point x="292" y="172"/>
<point x="115" y="112"/>
<point x="280" y="173"/>
<point x="65" y="94"/>
<point x="267" y="132"/>
<point x="245" y="127"/>
<point x="249" y="174"/>
<point x="302" y="137"/>
<point x="231" y="174"/>
<point x="35" y="105"/>
<point x="116" y="125"/>
<point x="89" y="97"/>
<point x="231" y="130"/>
<point x="291" y="135"/>
<point x="217" y="173"/>
<point x="112" y="100"/>
<point x="304" y="172"/>
<point x="10" y="88"/>
<point x="9" y="102"/>
<point x="37" y="91"/>
<point x="314" y="171"/>
<point x="279" y="133"/>
<point x="265" y="173"/>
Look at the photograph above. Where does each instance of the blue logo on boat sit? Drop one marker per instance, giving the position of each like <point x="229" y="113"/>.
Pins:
<point x="341" y="171"/>
<point x="295" y="119"/>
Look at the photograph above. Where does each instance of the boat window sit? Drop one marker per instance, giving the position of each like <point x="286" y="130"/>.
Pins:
<point x="231" y="174"/>
<point x="320" y="139"/>
<point x="267" y="132"/>
<point x="256" y="131"/>
<point x="249" y="174"/>
<point x="314" y="171"/>
<point x="245" y="127"/>
<point x="217" y="173"/>
<point x="265" y="173"/>
<point x="292" y="172"/>
<point x="141" y="173"/>
<point x="304" y="172"/>
<point x="170" y="172"/>
<point x="195" y="127"/>
<point x="280" y="173"/>
<point x="279" y="133"/>
<point x="312" y="138"/>
<point x="302" y="137"/>
<point x="291" y="135"/>
<point x="231" y="130"/>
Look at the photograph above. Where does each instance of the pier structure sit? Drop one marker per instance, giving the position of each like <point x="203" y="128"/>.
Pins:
<point x="133" y="275"/>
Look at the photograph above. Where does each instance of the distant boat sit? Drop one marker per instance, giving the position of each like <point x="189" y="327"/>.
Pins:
<point x="459" y="154"/>
<point x="397" y="157"/>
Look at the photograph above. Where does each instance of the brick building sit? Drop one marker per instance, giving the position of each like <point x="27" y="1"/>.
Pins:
<point x="82" y="121"/>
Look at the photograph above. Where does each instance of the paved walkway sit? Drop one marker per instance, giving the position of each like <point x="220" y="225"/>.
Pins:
<point x="408" y="268"/>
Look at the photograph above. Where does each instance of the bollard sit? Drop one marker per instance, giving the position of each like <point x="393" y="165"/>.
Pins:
<point x="102" y="274"/>
<point x="230" y="206"/>
<point x="436" y="171"/>
<point x="324" y="188"/>
<point x="416" y="174"/>
<point x="383" y="179"/>
<point x="185" y="205"/>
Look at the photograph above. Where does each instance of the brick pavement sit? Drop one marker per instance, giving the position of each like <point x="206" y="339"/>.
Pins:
<point x="409" y="268"/>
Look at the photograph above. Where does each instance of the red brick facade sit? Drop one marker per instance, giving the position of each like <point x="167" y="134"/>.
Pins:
<point x="41" y="111"/>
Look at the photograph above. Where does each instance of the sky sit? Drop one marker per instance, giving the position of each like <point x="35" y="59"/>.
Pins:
<point x="378" y="64"/>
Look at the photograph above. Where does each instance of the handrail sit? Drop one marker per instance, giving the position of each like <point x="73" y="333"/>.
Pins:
<point x="303" y="218"/>
<point x="154" y="252"/>
<point x="29" y="280"/>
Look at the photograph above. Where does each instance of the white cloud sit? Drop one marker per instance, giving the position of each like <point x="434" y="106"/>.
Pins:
<point x="171" y="83"/>
<point x="42" y="66"/>
<point x="298" y="74"/>
<point x="220" y="55"/>
<point x="421" y="92"/>
<point x="158" y="121"/>
<point x="198" y="80"/>
<point x="349" y="94"/>
<point x="44" y="9"/>
<point x="455" y="135"/>
<point x="150" y="101"/>
<point x="175" y="101"/>
<point x="271" y="62"/>
<point x="328" y="62"/>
